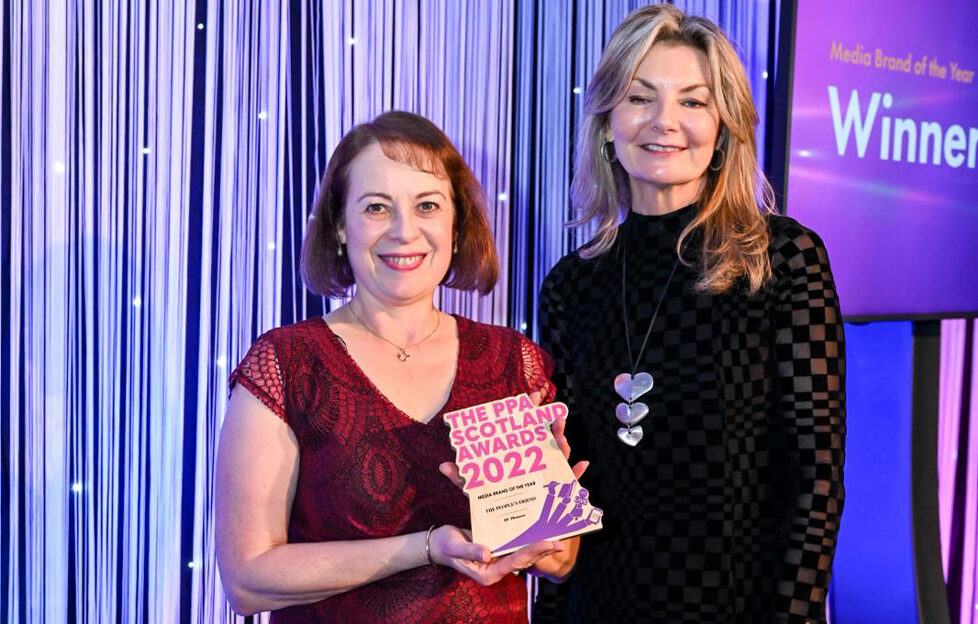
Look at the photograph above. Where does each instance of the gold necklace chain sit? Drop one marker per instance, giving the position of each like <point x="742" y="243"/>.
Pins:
<point x="402" y="353"/>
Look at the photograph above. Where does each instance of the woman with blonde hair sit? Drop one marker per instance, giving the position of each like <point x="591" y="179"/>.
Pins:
<point x="699" y="346"/>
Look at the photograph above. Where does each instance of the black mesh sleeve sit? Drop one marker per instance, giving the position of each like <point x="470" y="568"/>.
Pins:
<point x="810" y="355"/>
<point x="550" y="604"/>
<point x="554" y="338"/>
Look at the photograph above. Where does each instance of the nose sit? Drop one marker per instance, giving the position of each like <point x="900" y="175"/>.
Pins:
<point x="665" y="116"/>
<point x="404" y="226"/>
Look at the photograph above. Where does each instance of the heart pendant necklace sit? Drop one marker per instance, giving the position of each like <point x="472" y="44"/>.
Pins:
<point x="631" y="386"/>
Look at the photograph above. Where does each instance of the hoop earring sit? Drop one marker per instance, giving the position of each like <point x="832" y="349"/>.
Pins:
<point x="723" y="159"/>
<point x="605" y="151"/>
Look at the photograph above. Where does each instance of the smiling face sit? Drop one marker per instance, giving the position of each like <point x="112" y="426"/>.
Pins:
<point x="665" y="128"/>
<point x="397" y="229"/>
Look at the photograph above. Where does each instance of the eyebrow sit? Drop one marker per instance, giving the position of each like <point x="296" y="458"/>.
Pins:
<point x="649" y="85"/>
<point x="389" y="198"/>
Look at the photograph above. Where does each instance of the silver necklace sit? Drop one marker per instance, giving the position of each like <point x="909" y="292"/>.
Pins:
<point x="402" y="353"/>
<point x="630" y="386"/>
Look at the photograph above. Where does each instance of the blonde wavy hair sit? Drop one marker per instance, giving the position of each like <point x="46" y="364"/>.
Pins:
<point x="735" y="198"/>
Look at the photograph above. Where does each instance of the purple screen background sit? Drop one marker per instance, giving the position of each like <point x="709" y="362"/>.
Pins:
<point x="901" y="236"/>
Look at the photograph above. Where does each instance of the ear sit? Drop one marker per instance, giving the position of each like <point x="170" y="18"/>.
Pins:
<point x="341" y="235"/>
<point x="723" y="137"/>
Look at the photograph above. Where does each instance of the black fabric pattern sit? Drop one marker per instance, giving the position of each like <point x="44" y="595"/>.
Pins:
<point x="729" y="508"/>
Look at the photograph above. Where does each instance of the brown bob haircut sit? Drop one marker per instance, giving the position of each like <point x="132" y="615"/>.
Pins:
<point x="412" y="140"/>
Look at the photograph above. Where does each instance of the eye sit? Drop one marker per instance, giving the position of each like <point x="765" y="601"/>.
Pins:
<point x="693" y="104"/>
<point x="375" y="209"/>
<point x="428" y="207"/>
<point x="638" y="99"/>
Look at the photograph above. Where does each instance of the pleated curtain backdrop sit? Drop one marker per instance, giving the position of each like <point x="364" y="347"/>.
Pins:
<point x="957" y="467"/>
<point x="159" y="162"/>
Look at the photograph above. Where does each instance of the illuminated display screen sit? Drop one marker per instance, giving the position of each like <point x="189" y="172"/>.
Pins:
<point x="883" y="160"/>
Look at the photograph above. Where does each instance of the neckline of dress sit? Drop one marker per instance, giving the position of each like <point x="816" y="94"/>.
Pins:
<point x="461" y="330"/>
<point x="670" y="221"/>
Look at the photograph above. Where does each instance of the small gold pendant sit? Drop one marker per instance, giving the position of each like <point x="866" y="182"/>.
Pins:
<point x="403" y="355"/>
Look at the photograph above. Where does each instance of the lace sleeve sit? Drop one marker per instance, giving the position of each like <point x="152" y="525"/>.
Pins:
<point x="537" y="368"/>
<point x="810" y="354"/>
<point x="259" y="372"/>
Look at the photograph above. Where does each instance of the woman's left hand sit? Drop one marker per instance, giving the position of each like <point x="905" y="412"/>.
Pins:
<point x="452" y="547"/>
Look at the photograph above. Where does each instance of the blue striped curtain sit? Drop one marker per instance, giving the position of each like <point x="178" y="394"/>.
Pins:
<point x="157" y="167"/>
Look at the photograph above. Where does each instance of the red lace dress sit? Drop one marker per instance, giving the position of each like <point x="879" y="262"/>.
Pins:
<point x="367" y="470"/>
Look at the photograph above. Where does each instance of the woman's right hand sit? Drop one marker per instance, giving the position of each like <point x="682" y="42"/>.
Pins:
<point x="452" y="547"/>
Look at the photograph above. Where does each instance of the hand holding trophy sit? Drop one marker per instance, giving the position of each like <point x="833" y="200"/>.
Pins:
<point x="514" y="469"/>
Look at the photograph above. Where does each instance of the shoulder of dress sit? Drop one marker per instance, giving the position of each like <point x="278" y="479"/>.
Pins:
<point x="794" y="248"/>
<point x="506" y="338"/>
<point x="286" y="335"/>
<point x="785" y="229"/>
<point x="565" y="265"/>
<point x="789" y="237"/>
<point x="469" y="326"/>
<point x="570" y="269"/>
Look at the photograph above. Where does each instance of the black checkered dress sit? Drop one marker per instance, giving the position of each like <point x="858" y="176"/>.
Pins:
<point x="728" y="509"/>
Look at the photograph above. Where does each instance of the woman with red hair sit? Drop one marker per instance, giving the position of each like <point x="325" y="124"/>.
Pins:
<point x="330" y="503"/>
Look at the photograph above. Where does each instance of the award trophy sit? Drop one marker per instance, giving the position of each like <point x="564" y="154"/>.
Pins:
<point x="520" y="487"/>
